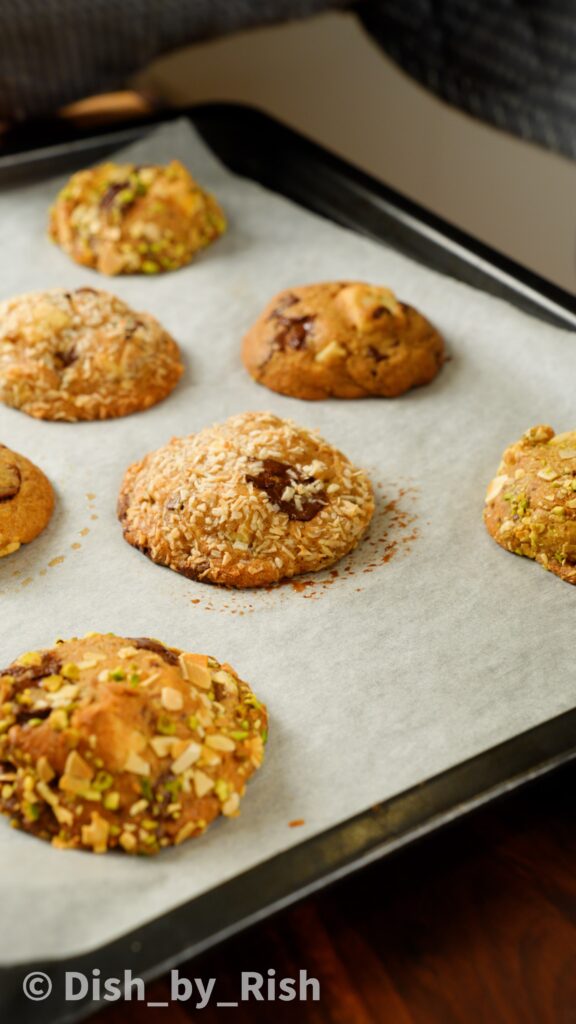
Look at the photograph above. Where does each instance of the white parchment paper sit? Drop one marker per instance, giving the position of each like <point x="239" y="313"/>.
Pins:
<point x="398" y="669"/>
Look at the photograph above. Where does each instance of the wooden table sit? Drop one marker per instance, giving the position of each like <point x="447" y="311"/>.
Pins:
<point x="475" y="925"/>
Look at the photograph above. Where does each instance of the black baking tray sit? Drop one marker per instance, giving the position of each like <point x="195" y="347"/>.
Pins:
<point x="251" y="143"/>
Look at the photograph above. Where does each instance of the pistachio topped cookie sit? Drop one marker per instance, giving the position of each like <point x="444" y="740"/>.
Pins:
<point x="26" y="501"/>
<point x="130" y="219"/>
<point x="245" y="503"/>
<point x="109" y="742"/>
<point x="531" y="503"/>
<point x="341" y="340"/>
<point x="83" y="355"/>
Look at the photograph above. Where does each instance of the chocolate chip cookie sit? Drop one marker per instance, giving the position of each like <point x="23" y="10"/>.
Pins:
<point x="83" y="355"/>
<point x="26" y="501"/>
<point x="109" y="742"/>
<point x="531" y="503"/>
<point x="129" y="219"/>
<point x="245" y="503"/>
<point x="341" y="340"/>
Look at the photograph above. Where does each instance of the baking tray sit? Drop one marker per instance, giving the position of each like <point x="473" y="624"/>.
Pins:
<point x="254" y="145"/>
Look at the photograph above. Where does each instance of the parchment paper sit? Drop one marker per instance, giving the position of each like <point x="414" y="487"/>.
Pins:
<point x="431" y="645"/>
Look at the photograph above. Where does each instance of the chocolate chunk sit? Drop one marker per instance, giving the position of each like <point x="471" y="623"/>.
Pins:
<point x="24" y="715"/>
<point x="275" y="477"/>
<point x="49" y="666"/>
<point x="147" y="644"/>
<point x="110" y="195"/>
<point x="10" y="482"/>
<point x="65" y="359"/>
<point x="376" y="355"/>
<point x="380" y="311"/>
<point x="294" y="332"/>
<point x="221" y="691"/>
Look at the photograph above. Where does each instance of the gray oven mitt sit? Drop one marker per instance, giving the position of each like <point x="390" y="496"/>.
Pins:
<point x="510" y="62"/>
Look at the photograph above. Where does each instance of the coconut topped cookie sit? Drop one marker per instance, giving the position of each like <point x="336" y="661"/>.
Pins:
<point x="83" y="355"/>
<point x="531" y="503"/>
<point x="131" y="219"/>
<point x="342" y="340"/>
<point x="246" y="503"/>
<point x="26" y="501"/>
<point x="109" y="742"/>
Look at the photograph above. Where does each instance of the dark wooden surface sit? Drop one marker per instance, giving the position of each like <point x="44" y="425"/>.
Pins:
<point x="475" y="925"/>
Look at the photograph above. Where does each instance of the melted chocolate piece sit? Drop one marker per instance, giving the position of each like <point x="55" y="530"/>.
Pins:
<point x="294" y="332"/>
<point x="10" y="482"/>
<point x="377" y="356"/>
<point x="275" y="477"/>
<point x="49" y="666"/>
<point x="147" y="644"/>
<point x="380" y="311"/>
<point x="24" y="715"/>
<point x="65" y="359"/>
<point x="110" y="195"/>
<point x="220" y="691"/>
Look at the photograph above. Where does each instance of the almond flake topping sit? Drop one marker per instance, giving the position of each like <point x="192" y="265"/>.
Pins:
<point x="172" y="699"/>
<point x="202" y="783"/>
<point x="135" y="763"/>
<point x="189" y="756"/>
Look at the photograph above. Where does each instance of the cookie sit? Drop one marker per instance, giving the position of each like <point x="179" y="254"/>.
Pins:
<point x="341" y="340"/>
<point x="531" y="503"/>
<point x="26" y="501"/>
<point x="108" y="742"/>
<point x="83" y="355"/>
<point x="129" y="219"/>
<point x="245" y="503"/>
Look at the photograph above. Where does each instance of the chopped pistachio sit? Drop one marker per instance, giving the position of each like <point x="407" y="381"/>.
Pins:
<point x="29" y="659"/>
<point x="52" y="683"/>
<point x="166" y="725"/>
<point x="136" y="764"/>
<point x="59" y="719"/>
<point x="111" y="801"/>
<point x="31" y="811"/>
<point x="102" y="781"/>
<point x="70" y="671"/>
<point x="222" y="790"/>
<point x="146" y="788"/>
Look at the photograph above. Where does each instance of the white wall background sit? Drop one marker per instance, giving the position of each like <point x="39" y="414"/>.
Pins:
<point x="328" y="79"/>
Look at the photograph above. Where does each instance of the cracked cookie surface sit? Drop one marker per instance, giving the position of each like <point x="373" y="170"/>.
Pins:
<point x="245" y="503"/>
<point x="83" y="355"/>
<point x="26" y="501"/>
<point x="341" y="340"/>
<point x="112" y="742"/>
<point x="131" y="219"/>
<point x="530" y="504"/>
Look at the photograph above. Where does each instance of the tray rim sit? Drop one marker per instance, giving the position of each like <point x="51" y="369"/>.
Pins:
<point x="194" y="926"/>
